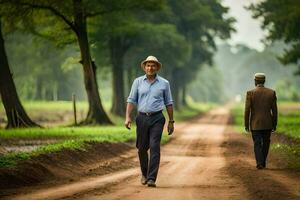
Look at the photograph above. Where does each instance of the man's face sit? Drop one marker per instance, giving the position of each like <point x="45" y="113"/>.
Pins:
<point x="150" y="68"/>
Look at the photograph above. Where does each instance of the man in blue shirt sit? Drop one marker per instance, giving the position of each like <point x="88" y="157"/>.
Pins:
<point x="150" y="93"/>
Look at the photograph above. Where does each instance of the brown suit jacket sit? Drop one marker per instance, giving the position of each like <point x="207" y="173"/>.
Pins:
<point x="261" y="109"/>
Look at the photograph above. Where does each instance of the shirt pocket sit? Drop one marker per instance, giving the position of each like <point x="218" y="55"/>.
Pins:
<point x="158" y="93"/>
<point x="143" y="90"/>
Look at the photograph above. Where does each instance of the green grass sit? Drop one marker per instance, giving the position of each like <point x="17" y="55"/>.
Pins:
<point x="80" y="138"/>
<point x="77" y="137"/>
<point x="105" y="132"/>
<point x="288" y="122"/>
<point x="291" y="152"/>
<point x="237" y="113"/>
<point x="11" y="159"/>
<point x="50" y="106"/>
<point x="73" y="138"/>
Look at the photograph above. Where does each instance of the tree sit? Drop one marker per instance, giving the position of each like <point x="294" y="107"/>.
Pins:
<point x="282" y="20"/>
<point x="201" y="22"/>
<point x="117" y="32"/>
<point x="165" y="42"/>
<point x="41" y="70"/>
<point x="245" y="62"/>
<point x="73" y="17"/>
<point x="16" y="114"/>
<point x="68" y="19"/>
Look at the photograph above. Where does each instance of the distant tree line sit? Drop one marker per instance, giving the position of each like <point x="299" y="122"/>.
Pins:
<point x="110" y="34"/>
<point x="238" y="64"/>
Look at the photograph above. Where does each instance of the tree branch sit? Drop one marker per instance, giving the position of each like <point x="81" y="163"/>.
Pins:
<point x="94" y="14"/>
<point x="53" y="10"/>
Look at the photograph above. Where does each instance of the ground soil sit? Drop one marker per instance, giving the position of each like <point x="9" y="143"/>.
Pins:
<point x="66" y="166"/>
<point x="206" y="159"/>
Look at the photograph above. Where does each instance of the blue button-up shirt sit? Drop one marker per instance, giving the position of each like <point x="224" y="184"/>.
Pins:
<point x="150" y="97"/>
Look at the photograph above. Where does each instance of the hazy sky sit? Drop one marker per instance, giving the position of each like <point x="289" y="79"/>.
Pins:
<point x="248" y="29"/>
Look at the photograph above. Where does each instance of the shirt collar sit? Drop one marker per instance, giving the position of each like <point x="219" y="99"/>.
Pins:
<point x="260" y="85"/>
<point x="156" y="77"/>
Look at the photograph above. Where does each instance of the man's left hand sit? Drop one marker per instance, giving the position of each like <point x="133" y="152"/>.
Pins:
<point x="170" y="128"/>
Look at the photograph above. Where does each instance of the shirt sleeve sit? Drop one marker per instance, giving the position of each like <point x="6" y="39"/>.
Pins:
<point x="133" y="96"/>
<point x="168" y="100"/>
<point x="247" y="111"/>
<point x="274" y="111"/>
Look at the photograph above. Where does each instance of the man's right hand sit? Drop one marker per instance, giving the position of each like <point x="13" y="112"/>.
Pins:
<point x="128" y="123"/>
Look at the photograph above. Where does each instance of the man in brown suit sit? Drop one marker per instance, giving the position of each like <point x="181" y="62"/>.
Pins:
<point x="261" y="118"/>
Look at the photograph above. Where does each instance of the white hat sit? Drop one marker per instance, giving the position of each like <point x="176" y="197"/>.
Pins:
<point x="259" y="76"/>
<point x="151" y="59"/>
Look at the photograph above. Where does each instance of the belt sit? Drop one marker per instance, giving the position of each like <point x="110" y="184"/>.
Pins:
<point x="150" y="113"/>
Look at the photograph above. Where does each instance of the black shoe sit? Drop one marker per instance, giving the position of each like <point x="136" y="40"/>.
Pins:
<point x="259" y="166"/>
<point x="151" y="183"/>
<point x="143" y="180"/>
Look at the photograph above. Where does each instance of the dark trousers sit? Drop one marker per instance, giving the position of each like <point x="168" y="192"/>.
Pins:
<point x="261" y="139"/>
<point x="149" y="131"/>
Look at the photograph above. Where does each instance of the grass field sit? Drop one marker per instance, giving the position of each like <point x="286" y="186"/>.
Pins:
<point x="77" y="137"/>
<point x="288" y="118"/>
<point x="288" y="125"/>
<point x="57" y="113"/>
<point x="67" y="138"/>
<point x="60" y="113"/>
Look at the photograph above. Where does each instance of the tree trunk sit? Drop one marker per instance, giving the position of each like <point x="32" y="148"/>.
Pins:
<point x="175" y="89"/>
<point x="96" y="113"/>
<point x="16" y="114"/>
<point x="39" y="83"/>
<point x="130" y="79"/>
<point x="117" y="55"/>
<point x="184" y="103"/>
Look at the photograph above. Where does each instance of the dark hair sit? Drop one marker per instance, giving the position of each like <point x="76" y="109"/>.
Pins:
<point x="259" y="82"/>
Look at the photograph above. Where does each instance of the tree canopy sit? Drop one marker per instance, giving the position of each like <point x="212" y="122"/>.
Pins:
<point x="282" y="20"/>
<point x="113" y="37"/>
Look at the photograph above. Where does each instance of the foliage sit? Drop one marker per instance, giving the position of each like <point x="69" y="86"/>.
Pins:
<point x="181" y="34"/>
<point x="291" y="152"/>
<point x="237" y="113"/>
<point x="290" y="123"/>
<point x="282" y="20"/>
<point x="201" y="22"/>
<point x="238" y="64"/>
<point x="208" y="86"/>
<point x="170" y="46"/>
<point x="105" y="133"/>
<point x="287" y="91"/>
<point x="42" y="71"/>
<point x="12" y="159"/>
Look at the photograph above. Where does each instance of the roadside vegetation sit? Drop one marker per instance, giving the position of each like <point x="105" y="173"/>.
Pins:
<point x="55" y="139"/>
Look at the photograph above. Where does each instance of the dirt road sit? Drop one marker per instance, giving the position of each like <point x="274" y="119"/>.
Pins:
<point x="204" y="160"/>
